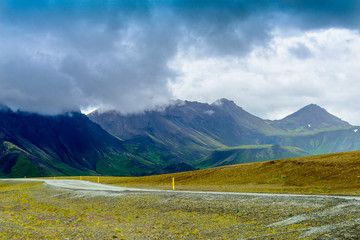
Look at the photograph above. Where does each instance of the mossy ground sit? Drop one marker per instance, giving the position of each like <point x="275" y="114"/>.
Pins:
<point x="33" y="211"/>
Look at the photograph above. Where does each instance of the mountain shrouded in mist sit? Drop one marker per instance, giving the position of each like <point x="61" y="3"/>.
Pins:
<point x="182" y="136"/>
<point x="191" y="130"/>
<point x="67" y="144"/>
<point x="62" y="57"/>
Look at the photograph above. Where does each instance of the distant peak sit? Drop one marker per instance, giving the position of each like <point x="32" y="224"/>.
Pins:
<point x="100" y="111"/>
<point x="309" y="110"/>
<point x="313" y="105"/>
<point x="312" y="108"/>
<point x="222" y="101"/>
<point x="312" y="117"/>
<point x="179" y="102"/>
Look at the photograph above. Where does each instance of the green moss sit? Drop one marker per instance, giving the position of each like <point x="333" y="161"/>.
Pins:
<point x="9" y="147"/>
<point x="155" y="156"/>
<point x="123" y="165"/>
<point x="246" y="147"/>
<point x="249" y="153"/>
<point x="66" y="170"/>
<point x="24" y="167"/>
<point x="149" y="152"/>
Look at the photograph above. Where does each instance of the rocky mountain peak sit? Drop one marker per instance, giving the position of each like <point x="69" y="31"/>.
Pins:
<point x="222" y="102"/>
<point x="310" y="117"/>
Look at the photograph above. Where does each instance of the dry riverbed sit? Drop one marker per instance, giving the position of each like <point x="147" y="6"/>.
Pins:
<point x="32" y="210"/>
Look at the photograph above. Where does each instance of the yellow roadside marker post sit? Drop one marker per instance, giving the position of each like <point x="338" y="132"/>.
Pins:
<point x="80" y="177"/>
<point x="98" y="179"/>
<point x="54" y="178"/>
<point x="173" y="183"/>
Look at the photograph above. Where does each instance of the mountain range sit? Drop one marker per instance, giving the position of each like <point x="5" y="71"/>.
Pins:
<point x="182" y="136"/>
<point x="68" y="144"/>
<point x="191" y="129"/>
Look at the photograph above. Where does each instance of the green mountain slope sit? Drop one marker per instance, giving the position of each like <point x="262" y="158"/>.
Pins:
<point x="325" y="141"/>
<point x="309" y="118"/>
<point x="181" y="137"/>
<point x="249" y="153"/>
<point x="189" y="130"/>
<point x="68" y="144"/>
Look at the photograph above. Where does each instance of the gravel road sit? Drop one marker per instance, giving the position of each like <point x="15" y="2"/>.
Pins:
<point x="98" y="187"/>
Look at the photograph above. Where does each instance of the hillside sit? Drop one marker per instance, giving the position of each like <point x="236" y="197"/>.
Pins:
<point x="190" y="131"/>
<point x="68" y="144"/>
<point x="336" y="173"/>
<point x="246" y="154"/>
<point x="322" y="141"/>
<point x="183" y="136"/>
<point x="309" y="118"/>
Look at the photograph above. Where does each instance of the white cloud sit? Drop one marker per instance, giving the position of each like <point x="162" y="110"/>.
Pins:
<point x="270" y="57"/>
<point x="271" y="82"/>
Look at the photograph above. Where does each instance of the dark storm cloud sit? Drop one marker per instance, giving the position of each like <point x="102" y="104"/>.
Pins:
<point x="313" y="14"/>
<point x="60" y="55"/>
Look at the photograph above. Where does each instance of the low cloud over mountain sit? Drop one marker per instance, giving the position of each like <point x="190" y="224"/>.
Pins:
<point x="269" y="56"/>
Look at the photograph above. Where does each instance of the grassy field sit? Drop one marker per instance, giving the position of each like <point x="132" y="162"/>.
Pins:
<point x="30" y="210"/>
<point x="337" y="173"/>
<point x="34" y="211"/>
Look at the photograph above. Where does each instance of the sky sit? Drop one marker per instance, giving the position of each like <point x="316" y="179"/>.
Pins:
<point x="270" y="57"/>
